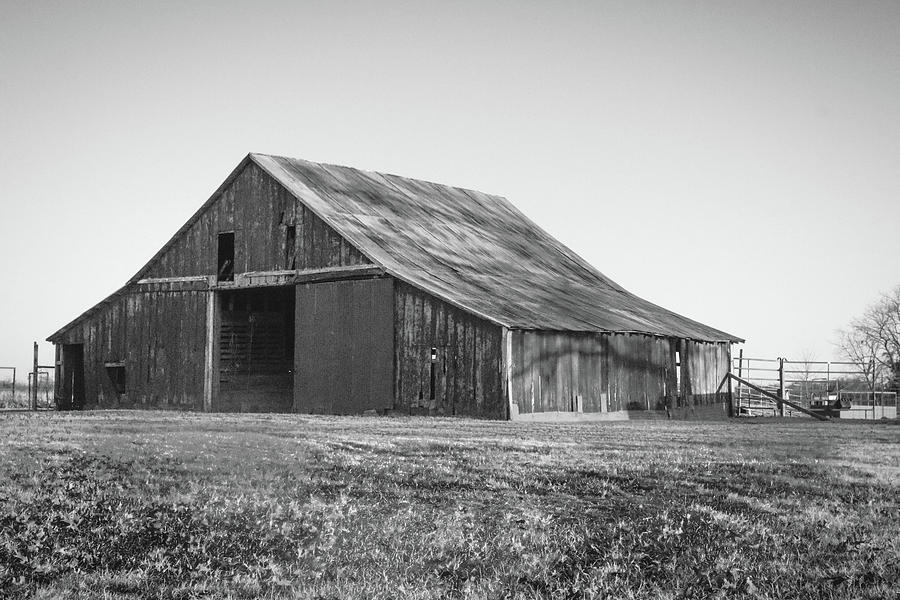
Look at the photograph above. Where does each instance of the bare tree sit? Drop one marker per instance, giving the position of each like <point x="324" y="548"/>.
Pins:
<point x="804" y="374"/>
<point x="873" y="340"/>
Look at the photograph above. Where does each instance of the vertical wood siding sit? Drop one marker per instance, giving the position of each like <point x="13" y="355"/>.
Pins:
<point x="707" y="364"/>
<point x="468" y="374"/>
<point x="551" y="369"/>
<point x="612" y="371"/>
<point x="641" y="371"/>
<point x="259" y="211"/>
<point x="344" y="351"/>
<point x="160" y="338"/>
<point x="608" y="371"/>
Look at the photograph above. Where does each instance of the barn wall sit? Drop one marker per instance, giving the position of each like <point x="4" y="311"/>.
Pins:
<point x="467" y="369"/>
<point x="550" y="369"/>
<point x="259" y="211"/>
<point x="706" y="364"/>
<point x="344" y="347"/>
<point x="159" y="336"/>
<point x="557" y="371"/>
<point x="641" y="373"/>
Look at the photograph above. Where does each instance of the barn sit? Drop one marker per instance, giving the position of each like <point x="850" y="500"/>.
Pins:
<point x="313" y="288"/>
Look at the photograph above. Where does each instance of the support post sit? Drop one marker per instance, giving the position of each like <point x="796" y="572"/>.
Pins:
<point x="57" y="376"/>
<point x="209" y="363"/>
<point x="730" y="408"/>
<point x="34" y="385"/>
<point x="512" y="408"/>
<point x="780" y="387"/>
<point x="872" y="366"/>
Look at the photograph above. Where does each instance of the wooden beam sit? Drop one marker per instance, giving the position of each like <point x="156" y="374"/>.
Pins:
<point x="253" y="279"/>
<point x="152" y="280"/>
<point x="512" y="409"/>
<point x="338" y="273"/>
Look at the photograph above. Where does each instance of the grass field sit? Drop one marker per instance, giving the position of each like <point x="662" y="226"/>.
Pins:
<point x="165" y="505"/>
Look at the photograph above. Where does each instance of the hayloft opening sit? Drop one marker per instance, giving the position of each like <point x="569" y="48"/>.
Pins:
<point x="256" y="349"/>
<point x="225" y="270"/>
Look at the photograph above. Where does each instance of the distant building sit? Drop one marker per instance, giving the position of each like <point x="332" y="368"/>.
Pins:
<point x="312" y="288"/>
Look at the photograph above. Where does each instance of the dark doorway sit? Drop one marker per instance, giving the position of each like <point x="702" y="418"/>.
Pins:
<point x="225" y="261"/>
<point x="256" y="350"/>
<point x="72" y="397"/>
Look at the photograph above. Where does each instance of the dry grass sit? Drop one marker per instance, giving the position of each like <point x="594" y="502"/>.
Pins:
<point x="164" y="505"/>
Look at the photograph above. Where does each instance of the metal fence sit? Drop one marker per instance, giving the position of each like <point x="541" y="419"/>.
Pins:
<point x="8" y="387"/>
<point x="811" y="384"/>
<point x="16" y="394"/>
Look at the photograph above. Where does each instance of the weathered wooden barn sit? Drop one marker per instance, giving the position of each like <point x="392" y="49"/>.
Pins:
<point x="315" y="288"/>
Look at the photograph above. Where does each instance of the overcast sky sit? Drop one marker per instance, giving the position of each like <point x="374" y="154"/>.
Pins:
<point x="737" y="162"/>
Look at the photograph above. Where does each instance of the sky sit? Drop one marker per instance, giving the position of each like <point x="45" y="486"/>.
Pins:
<point x="736" y="162"/>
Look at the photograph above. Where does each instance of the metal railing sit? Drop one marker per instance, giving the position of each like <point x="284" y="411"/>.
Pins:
<point x="807" y="384"/>
<point x="7" y="387"/>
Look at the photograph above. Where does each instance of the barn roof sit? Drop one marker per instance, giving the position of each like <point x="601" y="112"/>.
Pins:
<point x="474" y="250"/>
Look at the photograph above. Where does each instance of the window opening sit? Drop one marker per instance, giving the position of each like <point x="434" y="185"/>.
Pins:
<point x="678" y="373"/>
<point x="433" y="362"/>
<point x="290" y="240"/>
<point x="116" y="374"/>
<point x="226" y="257"/>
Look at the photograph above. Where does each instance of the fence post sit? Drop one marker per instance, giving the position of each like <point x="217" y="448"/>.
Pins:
<point x="780" y="386"/>
<point x="730" y="410"/>
<point x="872" y="365"/>
<point x="34" y="384"/>
<point x="741" y="374"/>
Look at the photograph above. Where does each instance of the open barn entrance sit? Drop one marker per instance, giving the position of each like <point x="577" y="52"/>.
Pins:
<point x="256" y="350"/>
<point x="71" y="386"/>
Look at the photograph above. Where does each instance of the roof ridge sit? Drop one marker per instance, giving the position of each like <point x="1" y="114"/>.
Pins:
<point x="372" y="171"/>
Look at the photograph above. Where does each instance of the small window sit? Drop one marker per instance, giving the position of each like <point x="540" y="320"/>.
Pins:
<point x="116" y="374"/>
<point x="225" y="271"/>
<point x="678" y="388"/>
<point x="290" y="241"/>
<point x="433" y="362"/>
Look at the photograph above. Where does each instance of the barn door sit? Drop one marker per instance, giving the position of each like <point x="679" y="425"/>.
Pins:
<point x="344" y="352"/>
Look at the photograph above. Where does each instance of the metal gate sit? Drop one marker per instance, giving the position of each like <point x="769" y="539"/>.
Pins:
<point x="848" y="389"/>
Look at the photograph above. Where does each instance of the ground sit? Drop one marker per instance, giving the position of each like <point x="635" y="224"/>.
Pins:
<point x="168" y="505"/>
